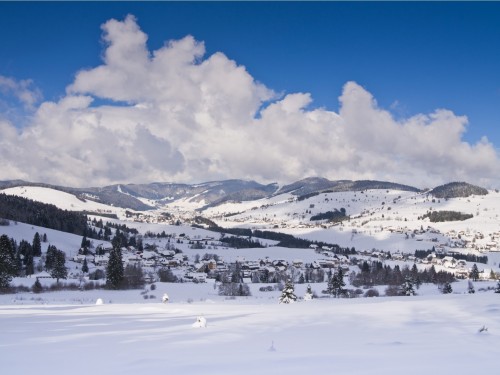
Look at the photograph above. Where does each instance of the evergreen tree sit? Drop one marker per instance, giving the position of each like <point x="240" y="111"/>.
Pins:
<point x="25" y="248"/>
<point x="85" y="266"/>
<point x="336" y="284"/>
<point x="474" y="273"/>
<point x="115" y="270"/>
<point x="50" y="257"/>
<point x="432" y="274"/>
<point x="288" y="293"/>
<point x="497" y="290"/>
<point x="59" y="270"/>
<point x="84" y="246"/>
<point x="30" y="266"/>
<point x="447" y="288"/>
<point x="7" y="261"/>
<point x="37" y="245"/>
<point x="407" y="287"/>
<point x="18" y="263"/>
<point x="37" y="286"/>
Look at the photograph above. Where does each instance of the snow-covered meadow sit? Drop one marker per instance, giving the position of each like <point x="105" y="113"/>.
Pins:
<point x="134" y="332"/>
<point x="411" y="335"/>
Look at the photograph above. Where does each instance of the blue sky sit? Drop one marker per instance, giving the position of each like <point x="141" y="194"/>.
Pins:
<point x="413" y="58"/>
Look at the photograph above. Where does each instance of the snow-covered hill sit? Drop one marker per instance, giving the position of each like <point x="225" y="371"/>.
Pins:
<point x="61" y="199"/>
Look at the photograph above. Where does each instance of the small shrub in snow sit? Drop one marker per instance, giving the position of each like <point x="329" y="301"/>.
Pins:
<point x="393" y="290"/>
<point x="165" y="298"/>
<point x="37" y="287"/>
<point x="497" y="290"/>
<point x="372" y="293"/>
<point x="234" y="289"/>
<point x="447" y="289"/>
<point x="268" y="288"/>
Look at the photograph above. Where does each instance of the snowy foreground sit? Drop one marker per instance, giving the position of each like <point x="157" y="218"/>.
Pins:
<point x="410" y="335"/>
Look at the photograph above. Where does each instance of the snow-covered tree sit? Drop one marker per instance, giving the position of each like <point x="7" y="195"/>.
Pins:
<point x="309" y="294"/>
<point x="336" y="284"/>
<point x="407" y="287"/>
<point x="288" y="293"/>
<point x="7" y="261"/>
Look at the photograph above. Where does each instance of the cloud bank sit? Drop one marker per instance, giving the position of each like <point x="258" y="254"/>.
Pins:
<point x="174" y="114"/>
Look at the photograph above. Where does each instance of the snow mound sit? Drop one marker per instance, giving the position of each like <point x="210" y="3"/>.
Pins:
<point x="99" y="302"/>
<point x="201" y="322"/>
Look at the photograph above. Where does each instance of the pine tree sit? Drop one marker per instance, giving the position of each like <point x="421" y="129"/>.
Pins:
<point x="447" y="289"/>
<point x="50" y="257"/>
<point x="85" y="266"/>
<point x="474" y="273"/>
<point x="336" y="284"/>
<point x="115" y="270"/>
<point x="497" y="290"/>
<point x="30" y="266"/>
<point x="59" y="270"/>
<point x="37" y="245"/>
<point x="407" y="287"/>
<point x="84" y="245"/>
<point x="7" y="261"/>
<point x="288" y="293"/>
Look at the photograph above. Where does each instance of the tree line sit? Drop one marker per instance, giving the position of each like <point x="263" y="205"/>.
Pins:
<point x="40" y="214"/>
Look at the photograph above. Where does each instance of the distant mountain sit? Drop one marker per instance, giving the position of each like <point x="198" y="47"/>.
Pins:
<point x="315" y="184"/>
<point x="142" y="197"/>
<point x="309" y="185"/>
<point x="130" y="195"/>
<point x="457" y="190"/>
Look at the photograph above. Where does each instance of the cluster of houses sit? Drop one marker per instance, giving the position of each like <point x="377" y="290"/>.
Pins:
<point x="199" y="270"/>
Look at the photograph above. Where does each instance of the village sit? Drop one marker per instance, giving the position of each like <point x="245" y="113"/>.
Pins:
<point x="201" y="258"/>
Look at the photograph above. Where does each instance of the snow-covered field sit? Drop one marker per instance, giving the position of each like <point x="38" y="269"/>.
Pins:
<point x="410" y="335"/>
<point x="66" y="332"/>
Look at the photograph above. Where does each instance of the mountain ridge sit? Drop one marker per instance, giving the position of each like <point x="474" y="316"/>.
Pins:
<point x="143" y="197"/>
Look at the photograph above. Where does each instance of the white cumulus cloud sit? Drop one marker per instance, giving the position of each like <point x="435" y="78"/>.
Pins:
<point x="175" y="114"/>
